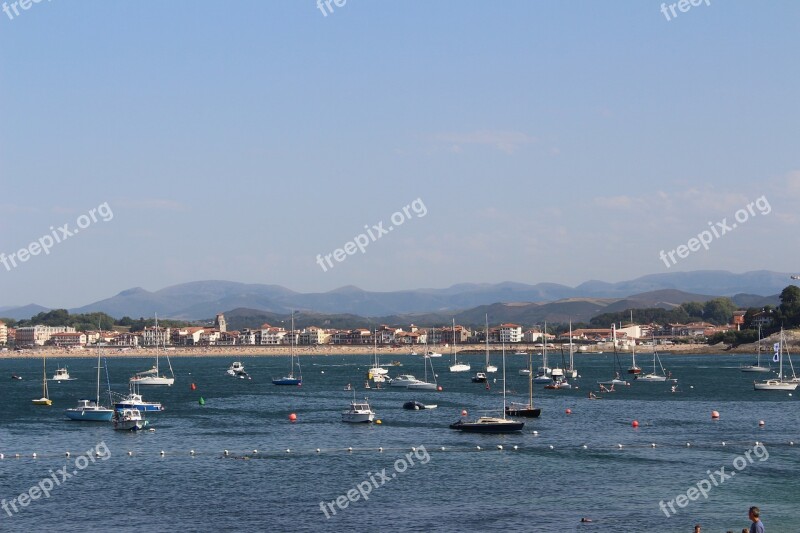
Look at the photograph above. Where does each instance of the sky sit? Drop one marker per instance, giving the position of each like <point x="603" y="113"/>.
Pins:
<point x="543" y="141"/>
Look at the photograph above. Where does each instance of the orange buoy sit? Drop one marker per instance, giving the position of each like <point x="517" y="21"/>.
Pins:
<point x="194" y="387"/>
<point x="569" y="411"/>
<point x="715" y="414"/>
<point x="463" y="412"/>
<point x="635" y="423"/>
<point x="293" y="417"/>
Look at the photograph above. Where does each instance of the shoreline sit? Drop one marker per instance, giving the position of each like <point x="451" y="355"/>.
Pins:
<point x="278" y="351"/>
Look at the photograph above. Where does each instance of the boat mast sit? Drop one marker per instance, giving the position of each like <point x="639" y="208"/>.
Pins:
<point x="544" y="349"/>
<point x="504" y="380"/>
<point x="291" y="350"/>
<point x="453" y="344"/>
<point x="155" y="331"/>
<point x="571" y="353"/>
<point x="487" y="340"/>
<point x="97" y="402"/>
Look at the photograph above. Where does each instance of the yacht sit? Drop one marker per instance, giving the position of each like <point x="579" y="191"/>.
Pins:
<point x="128" y="420"/>
<point x="405" y="380"/>
<point x="61" y="375"/>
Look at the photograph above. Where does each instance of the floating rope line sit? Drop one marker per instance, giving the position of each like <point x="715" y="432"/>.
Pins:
<point x="259" y="454"/>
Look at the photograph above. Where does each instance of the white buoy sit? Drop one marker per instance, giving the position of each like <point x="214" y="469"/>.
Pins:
<point x="288" y="450"/>
<point x="67" y="454"/>
<point x="723" y="443"/>
<point x="443" y="448"/>
<point x="191" y="452"/>
<point x="535" y="432"/>
<point x="255" y="452"/>
<point x="478" y="447"/>
<point x="380" y="449"/>
<point x="130" y="454"/>
<point x="516" y="447"/>
<point x="97" y="454"/>
<point x="2" y="456"/>
<point x="585" y="446"/>
<point x="499" y="446"/>
<point x="350" y="449"/>
<point x="619" y="445"/>
<point x="225" y="453"/>
<point x="551" y="446"/>
<point x="688" y="444"/>
<point x="34" y="455"/>
<point x="318" y="450"/>
<point x="653" y="445"/>
<point x="16" y="456"/>
<point x="791" y="443"/>
<point x="413" y="449"/>
<point x="162" y="453"/>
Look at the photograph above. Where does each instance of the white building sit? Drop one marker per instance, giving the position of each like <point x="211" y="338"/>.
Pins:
<point x="39" y="335"/>
<point x="272" y="336"/>
<point x="3" y="333"/>
<point x="510" y="333"/>
<point x="152" y="336"/>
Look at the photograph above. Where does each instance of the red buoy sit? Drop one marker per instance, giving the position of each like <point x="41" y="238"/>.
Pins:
<point x="293" y="417"/>
<point x="714" y="415"/>
<point x="439" y="388"/>
<point x="569" y="411"/>
<point x="194" y="387"/>
<point x="463" y="412"/>
<point x="635" y="423"/>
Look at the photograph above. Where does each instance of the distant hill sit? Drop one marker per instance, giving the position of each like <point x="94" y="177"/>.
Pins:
<point x="21" y="313"/>
<point x="202" y="299"/>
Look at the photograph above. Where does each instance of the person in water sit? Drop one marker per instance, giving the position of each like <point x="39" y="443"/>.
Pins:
<point x="754" y="515"/>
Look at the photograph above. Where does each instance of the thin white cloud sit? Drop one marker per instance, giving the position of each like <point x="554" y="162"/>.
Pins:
<point x="505" y="141"/>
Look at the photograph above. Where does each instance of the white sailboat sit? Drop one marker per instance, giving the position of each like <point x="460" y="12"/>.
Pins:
<point x="456" y="366"/>
<point x="756" y="367"/>
<point x="45" y="399"/>
<point x="291" y="379"/>
<point x="426" y="385"/>
<point x="780" y="384"/>
<point x="88" y="410"/>
<point x="571" y="371"/>
<point x="655" y="377"/>
<point x="152" y="376"/>
<point x="488" y="368"/>
<point x="617" y="379"/>
<point x="376" y="373"/>
<point x="544" y="373"/>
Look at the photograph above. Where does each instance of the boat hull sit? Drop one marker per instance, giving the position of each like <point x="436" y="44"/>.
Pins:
<point x="423" y="386"/>
<point x="43" y="401"/>
<point x="358" y="418"/>
<point x="755" y="368"/>
<point x="460" y="368"/>
<point x="86" y="415"/>
<point x="145" y="407"/>
<point x="773" y="384"/>
<point x="651" y="378"/>
<point x="288" y="381"/>
<point x="153" y="380"/>
<point x="477" y="427"/>
<point x="524" y="412"/>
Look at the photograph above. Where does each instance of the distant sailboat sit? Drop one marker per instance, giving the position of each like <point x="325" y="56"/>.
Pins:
<point x="655" y="377"/>
<point x="781" y="384"/>
<point x="488" y="368"/>
<point x="756" y="367"/>
<point x="45" y="399"/>
<point x="291" y="379"/>
<point x="152" y="376"/>
<point x="88" y="410"/>
<point x="527" y="411"/>
<point x="456" y="366"/>
<point x="617" y="379"/>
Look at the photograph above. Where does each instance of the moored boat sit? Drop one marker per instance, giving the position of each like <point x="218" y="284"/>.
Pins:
<point x="358" y="413"/>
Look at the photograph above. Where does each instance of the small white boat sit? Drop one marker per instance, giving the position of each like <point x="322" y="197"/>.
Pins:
<point x="520" y="352"/>
<point x="359" y="413"/>
<point x="431" y="353"/>
<point x="61" y="375"/>
<point x="128" y="420"/>
<point x="426" y="385"/>
<point x="756" y="367"/>
<point x="456" y="366"/>
<point x="152" y="377"/>
<point x="237" y="370"/>
<point x="524" y="371"/>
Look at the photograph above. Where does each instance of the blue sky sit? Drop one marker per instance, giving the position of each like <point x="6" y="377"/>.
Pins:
<point x="549" y="141"/>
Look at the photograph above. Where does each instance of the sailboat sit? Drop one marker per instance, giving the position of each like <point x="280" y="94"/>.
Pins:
<point x="456" y="366"/>
<point x="655" y="377"/>
<point x="290" y="379"/>
<point x="781" y="383"/>
<point x="544" y="372"/>
<point x="45" y="399"/>
<point x="88" y="410"/>
<point x="425" y="385"/>
<point x="488" y="368"/>
<point x="756" y="367"/>
<point x="570" y="371"/>
<point x="377" y="372"/>
<point x="527" y="411"/>
<point x="616" y="380"/>
<point x="152" y="377"/>
<point x="633" y="368"/>
<point x="491" y="424"/>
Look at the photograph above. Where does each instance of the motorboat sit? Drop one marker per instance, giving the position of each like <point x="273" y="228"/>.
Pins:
<point x="488" y="424"/>
<point x="134" y="400"/>
<point x="479" y="377"/>
<point x="237" y="370"/>
<point x="61" y="375"/>
<point x="417" y="406"/>
<point x="128" y="420"/>
<point x="359" y="413"/>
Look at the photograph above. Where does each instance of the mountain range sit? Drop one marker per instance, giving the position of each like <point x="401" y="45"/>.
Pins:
<point x="200" y="300"/>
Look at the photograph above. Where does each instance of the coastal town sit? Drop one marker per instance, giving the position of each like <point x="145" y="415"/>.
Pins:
<point x="269" y="337"/>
